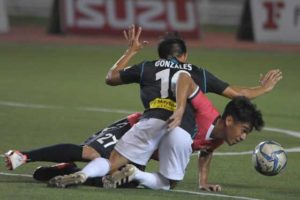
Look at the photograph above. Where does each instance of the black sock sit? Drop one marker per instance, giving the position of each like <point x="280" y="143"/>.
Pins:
<point x="56" y="153"/>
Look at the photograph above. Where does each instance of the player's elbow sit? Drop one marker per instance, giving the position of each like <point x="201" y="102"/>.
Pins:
<point x="108" y="80"/>
<point x="112" y="80"/>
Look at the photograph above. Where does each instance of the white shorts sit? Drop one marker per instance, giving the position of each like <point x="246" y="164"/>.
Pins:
<point x="175" y="150"/>
<point x="139" y="143"/>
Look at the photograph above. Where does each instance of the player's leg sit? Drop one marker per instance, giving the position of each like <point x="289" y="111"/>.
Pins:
<point x="137" y="145"/>
<point x="54" y="153"/>
<point x="99" y="142"/>
<point x="45" y="173"/>
<point x="89" y="153"/>
<point x="96" y="168"/>
<point x="98" y="145"/>
<point x="174" y="153"/>
<point x="132" y="173"/>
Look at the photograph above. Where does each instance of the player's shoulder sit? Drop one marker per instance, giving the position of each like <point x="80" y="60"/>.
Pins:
<point x="146" y="63"/>
<point x="197" y="67"/>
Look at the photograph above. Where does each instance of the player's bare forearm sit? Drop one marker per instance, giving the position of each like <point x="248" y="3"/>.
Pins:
<point x="134" y="46"/>
<point x="184" y="88"/>
<point x="113" y="76"/>
<point x="267" y="83"/>
<point x="249" y="92"/>
<point x="204" y="165"/>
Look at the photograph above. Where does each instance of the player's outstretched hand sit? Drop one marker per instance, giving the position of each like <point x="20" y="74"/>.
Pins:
<point x="133" y="37"/>
<point x="270" y="79"/>
<point x="211" y="187"/>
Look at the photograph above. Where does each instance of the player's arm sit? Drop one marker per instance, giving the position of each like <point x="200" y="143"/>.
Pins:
<point x="185" y="87"/>
<point x="133" y="38"/>
<point x="267" y="83"/>
<point x="204" y="160"/>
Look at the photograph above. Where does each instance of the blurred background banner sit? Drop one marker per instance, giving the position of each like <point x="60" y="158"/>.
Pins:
<point x="276" y="20"/>
<point x="4" y="25"/>
<point x="112" y="16"/>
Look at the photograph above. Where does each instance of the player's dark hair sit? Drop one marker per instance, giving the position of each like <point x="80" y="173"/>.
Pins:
<point x="242" y="110"/>
<point x="171" y="45"/>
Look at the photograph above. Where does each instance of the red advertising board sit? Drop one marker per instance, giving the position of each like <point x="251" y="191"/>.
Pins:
<point x="110" y="17"/>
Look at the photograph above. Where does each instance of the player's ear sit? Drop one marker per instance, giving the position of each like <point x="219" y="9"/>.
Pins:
<point x="229" y="120"/>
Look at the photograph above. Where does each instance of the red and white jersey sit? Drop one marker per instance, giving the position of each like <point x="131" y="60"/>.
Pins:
<point x="205" y="115"/>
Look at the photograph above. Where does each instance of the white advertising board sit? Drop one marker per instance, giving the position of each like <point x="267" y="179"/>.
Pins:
<point x="276" y="21"/>
<point x="4" y="27"/>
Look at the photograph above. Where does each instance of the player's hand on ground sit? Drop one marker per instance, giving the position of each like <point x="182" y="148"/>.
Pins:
<point x="132" y="35"/>
<point x="270" y="79"/>
<point x="7" y="163"/>
<point x="211" y="187"/>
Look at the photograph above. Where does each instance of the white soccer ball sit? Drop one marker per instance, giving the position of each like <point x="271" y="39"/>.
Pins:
<point x="269" y="158"/>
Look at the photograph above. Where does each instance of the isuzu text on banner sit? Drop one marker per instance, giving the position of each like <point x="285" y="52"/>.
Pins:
<point x="110" y="17"/>
<point x="276" y="20"/>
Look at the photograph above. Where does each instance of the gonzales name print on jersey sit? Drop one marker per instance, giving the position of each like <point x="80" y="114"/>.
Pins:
<point x="172" y="64"/>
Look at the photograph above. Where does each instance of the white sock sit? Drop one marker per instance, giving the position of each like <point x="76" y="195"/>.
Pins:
<point x="97" y="168"/>
<point x="152" y="180"/>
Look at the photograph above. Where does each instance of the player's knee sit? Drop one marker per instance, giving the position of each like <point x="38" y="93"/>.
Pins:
<point x="117" y="160"/>
<point x="89" y="153"/>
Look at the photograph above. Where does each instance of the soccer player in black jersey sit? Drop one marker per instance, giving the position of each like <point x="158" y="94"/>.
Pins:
<point x="139" y="143"/>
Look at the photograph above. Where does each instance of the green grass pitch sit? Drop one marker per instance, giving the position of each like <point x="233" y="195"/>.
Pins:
<point x="50" y="94"/>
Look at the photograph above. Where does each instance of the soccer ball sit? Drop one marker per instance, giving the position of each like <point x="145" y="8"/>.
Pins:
<point x="269" y="158"/>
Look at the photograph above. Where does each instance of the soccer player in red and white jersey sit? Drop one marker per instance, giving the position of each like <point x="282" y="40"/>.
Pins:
<point x="239" y="118"/>
<point x="237" y="121"/>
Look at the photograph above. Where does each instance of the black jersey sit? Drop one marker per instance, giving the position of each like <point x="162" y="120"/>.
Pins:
<point x="155" y="80"/>
<point x="207" y="81"/>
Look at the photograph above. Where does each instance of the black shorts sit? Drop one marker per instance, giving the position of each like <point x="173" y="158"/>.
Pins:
<point x="104" y="140"/>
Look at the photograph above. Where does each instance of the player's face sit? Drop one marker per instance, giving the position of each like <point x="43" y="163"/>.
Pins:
<point x="236" y="131"/>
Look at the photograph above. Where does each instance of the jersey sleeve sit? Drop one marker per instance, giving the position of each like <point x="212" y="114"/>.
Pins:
<point x="131" y="74"/>
<point x="214" y="84"/>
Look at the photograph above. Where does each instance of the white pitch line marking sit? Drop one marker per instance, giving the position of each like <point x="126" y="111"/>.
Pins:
<point x="40" y="106"/>
<point x="11" y="174"/>
<point x="106" y="110"/>
<point x="26" y="105"/>
<point x="278" y="130"/>
<point x="179" y="191"/>
<point x="214" y="194"/>
<point x="290" y="150"/>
